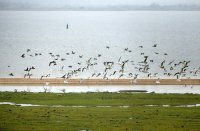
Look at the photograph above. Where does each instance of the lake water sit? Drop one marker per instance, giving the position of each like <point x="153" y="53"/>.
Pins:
<point x="81" y="106"/>
<point x="179" y="89"/>
<point x="176" y="33"/>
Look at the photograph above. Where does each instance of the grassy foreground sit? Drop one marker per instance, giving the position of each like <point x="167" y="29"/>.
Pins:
<point x="114" y="118"/>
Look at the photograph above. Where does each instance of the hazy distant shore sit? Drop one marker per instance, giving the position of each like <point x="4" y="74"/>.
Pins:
<point x="100" y="9"/>
<point x="152" y="7"/>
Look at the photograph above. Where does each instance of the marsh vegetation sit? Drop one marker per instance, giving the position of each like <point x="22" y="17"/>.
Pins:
<point x="110" y="114"/>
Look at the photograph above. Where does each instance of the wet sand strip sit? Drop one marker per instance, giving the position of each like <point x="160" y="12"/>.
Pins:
<point x="60" y="82"/>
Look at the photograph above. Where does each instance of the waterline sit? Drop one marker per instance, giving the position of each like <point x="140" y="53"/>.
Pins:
<point x="175" y="89"/>
<point x="105" y="106"/>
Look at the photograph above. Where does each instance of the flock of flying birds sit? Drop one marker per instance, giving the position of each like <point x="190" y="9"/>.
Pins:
<point x="173" y="68"/>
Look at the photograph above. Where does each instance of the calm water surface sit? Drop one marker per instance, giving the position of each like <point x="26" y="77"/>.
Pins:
<point x="176" y="33"/>
<point x="179" y="89"/>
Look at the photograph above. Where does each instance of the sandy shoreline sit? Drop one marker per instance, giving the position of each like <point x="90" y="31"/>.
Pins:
<point x="53" y="81"/>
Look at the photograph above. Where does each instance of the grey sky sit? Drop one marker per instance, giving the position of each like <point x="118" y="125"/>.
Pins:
<point x="105" y="2"/>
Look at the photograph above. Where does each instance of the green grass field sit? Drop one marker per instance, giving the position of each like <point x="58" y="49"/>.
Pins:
<point x="114" y="118"/>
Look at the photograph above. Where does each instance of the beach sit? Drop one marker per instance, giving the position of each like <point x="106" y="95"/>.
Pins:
<point x="60" y="82"/>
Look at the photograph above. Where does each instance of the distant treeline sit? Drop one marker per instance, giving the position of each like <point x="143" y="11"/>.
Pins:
<point x="27" y="6"/>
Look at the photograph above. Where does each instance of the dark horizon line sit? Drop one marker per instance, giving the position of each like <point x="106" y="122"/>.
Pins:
<point x="152" y="7"/>
<point x="99" y="10"/>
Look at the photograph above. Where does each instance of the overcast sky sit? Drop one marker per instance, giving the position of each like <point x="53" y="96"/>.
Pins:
<point x="106" y="2"/>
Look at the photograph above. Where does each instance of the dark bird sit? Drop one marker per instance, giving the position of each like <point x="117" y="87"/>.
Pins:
<point x="23" y="55"/>
<point x="48" y="75"/>
<point x="52" y="62"/>
<point x="62" y="59"/>
<point x="119" y="59"/>
<point x="149" y="75"/>
<point x="171" y="68"/>
<point x="126" y="49"/>
<point x="141" y="69"/>
<point x="79" y="69"/>
<point x="52" y="55"/>
<point x="73" y="52"/>
<point x="42" y="77"/>
<point x="107" y="47"/>
<point x="107" y="68"/>
<point x="177" y="73"/>
<point x="140" y="46"/>
<point x="64" y="76"/>
<point x="162" y="64"/>
<point x="177" y="77"/>
<point x="99" y="55"/>
<point x="28" y="50"/>
<point x="114" y="72"/>
<point x="83" y="69"/>
<point x="29" y="75"/>
<point x="169" y="74"/>
<point x="98" y="74"/>
<point x="105" y="77"/>
<point x="171" y="62"/>
<point x="93" y="74"/>
<point x="155" y="45"/>
<point x="186" y="63"/>
<point x="146" y="68"/>
<point x="155" y="74"/>
<point x="27" y="69"/>
<point x="80" y="56"/>
<point x="124" y="62"/>
<point x="130" y="74"/>
<point x="88" y="61"/>
<point x="135" y="77"/>
<point x="11" y="74"/>
<point x="145" y="59"/>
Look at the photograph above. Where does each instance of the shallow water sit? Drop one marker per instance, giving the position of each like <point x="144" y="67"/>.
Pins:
<point x="176" y="33"/>
<point x="180" y="89"/>
<point x="80" y="106"/>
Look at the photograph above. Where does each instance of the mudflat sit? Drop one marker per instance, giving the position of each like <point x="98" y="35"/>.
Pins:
<point x="53" y="81"/>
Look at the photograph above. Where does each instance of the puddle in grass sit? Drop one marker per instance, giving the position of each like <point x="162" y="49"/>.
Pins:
<point x="177" y="89"/>
<point x="81" y="106"/>
<point x="84" y="130"/>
